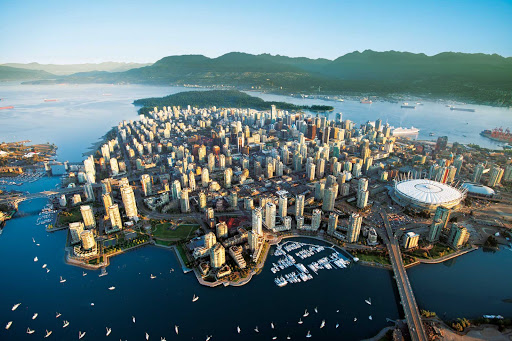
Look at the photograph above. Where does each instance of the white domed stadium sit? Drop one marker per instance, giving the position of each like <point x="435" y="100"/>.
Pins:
<point x="427" y="194"/>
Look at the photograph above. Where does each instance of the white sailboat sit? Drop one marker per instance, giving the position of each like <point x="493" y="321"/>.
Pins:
<point x="256" y="329"/>
<point x="30" y="331"/>
<point x="8" y="325"/>
<point x="370" y="317"/>
<point x="109" y="330"/>
<point x="162" y="338"/>
<point x="355" y="319"/>
<point x="47" y="270"/>
<point x="147" y="336"/>
<point x="34" y="316"/>
<point x="238" y="329"/>
<point x="84" y="273"/>
<point x="14" y="307"/>
<point x="112" y="288"/>
<point x="322" y="324"/>
<point x="305" y="313"/>
<point x="92" y="304"/>
<point x="288" y="337"/>
<point x="81" y="335"/>
<point x="62" y="280"/>
<point x="337" y="325"/>
<point x="195" y="298"/>
<point x="274" y="338"/>
<point x="133" y="319"/>
<point x="66" y="323"/>
<point x="33" y="240"/>
<point x="300" y="321"/>
<point x="368" y="301"/>
<point x="208" y="337"/>
<point x="152" y="276"/>
<point x="48" y="333"/>
<point x="308" y="335"/>
<point x="272" y="325"/>
<point x="316" y="310"/>
<point x="57" y="315"/>
<point x="176" y="329"/>
<point x="35" y="259"/>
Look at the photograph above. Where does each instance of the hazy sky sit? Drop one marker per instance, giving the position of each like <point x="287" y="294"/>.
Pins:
<point x="145" y="31"/>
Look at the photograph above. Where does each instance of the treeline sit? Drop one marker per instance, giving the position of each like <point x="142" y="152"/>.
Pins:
<point x="219" y="98"/>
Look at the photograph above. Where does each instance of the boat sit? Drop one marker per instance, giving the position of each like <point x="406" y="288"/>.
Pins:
<point x="238" y="329"/>
<point x="431" y="134"/>
<point x="272" y="325"/>
<point x="30" y="331"/>
<point x="316" y="310"/>
<point x="48" y="333"/>
<point x="368" y="301"/>
<point x="274" y="338"/>
<point x="14" y="307"/>
<point x="322" y="324"/>
<point x="62" y="280"/>
<point x="256" y="329"/>
<point x="355" y="319"/>
<point x="404" y="131"/>
<point x="147" y="336"/>
<point x="406" y="105"/>
<point x="366" y="101"/>
<point x="288" y="337"/>
<point x="103" y="272"/>
<point x="305" y="313"/>
<point x="66" y="323"/>
<point x="34" y="316"/>
<point x="308" y="335"/>
<point x="208" y="337"/>
<point x="9" y="107"/>
<point x="33" y="239"/>
<point x="44" y="266"/>
<point x="112" y="288"/>
<point x="47" y="270"/>
<point x="176" y="329"/>
<point x="337" y="325"/>
<point x="109" y="330"/>
<point x="57" y="315"/>
<point x="92" y="304"/>
<point x="35" y="259"/>
<point x="8" y="325"/>
<point x="195" y="298"/>
<point x="152" y="276"/>
<point x="50" y="100"/>
<point x="370" y="317"/>
<point x="84" y="274"/>
<point x="300" y="321"/>
<point x="133" y="319"/>
<point x="463" y="109"/>
<point x="162" y="338"/>
<point x="81" y="335"/>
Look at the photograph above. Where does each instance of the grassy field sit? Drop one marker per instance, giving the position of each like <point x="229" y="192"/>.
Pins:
<point x="373" y="258"/>
<point x="73" y="215"/>
<point x="183" y="231"/>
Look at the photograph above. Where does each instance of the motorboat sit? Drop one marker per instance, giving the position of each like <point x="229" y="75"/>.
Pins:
<point x="48" y="333"/>
<point x="316" y="310"/>
<point x="112" y="288"/>
<point x="30" y="331"/>
<point x="14" y="307"/>
<point x="47" y="270"/>
<point x="57" y="315"/>
<point x="322" y="324"/>
<point x="34" y="316"/>
<point x="84" y="274"/>
<point x="355" y="319"/>
<point x="44" y="266"/>
<point x="272" y="325"/>
<point x="133" y="319"/>
<point x="195" y="298"/>
<point x="370" y="317"/>
<point x="368" y="301"/>
<point x="238" y="329"/>
<point x="66" y="323"/>
<point x="8" y="325"/>
<point x="62" y="280"/>
<point x="109" y="330"/>
<point x="337" y="325"/>
<point x="35" y="259"/>
<point x="147" y="336"/>
<point x="176" y="329"/>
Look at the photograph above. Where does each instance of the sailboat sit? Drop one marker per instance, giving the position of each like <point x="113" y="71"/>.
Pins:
<point x="30" y="331"/>
<point x="34" y="316"/>
<point x="238" y="329"/>
<point x="368" y="301"/>
<point x="47" y="270"/>
<point x="62" y="280"/>
<point x="133" y="319"/>
<point x="370" y="317"/>
<point x="162" y="338"/>
<point x="14" y="307"/>
<point x="147" y="336"/>
<point x="8" y="325"/>
<point x="109" y="330"/>
<point x="111" y="288"/>
<point x="33" y="239"/>
<point x="256" y="329"/>
<point x="84" y="274"/>
<point x="176" y="329"/>
<point x="308" y="335"/>
<point x="288" y="337"/>
<point x="305" y="313"/>
<point x="44" y="266"/>
<point x="35" y="259"/>
<point x="57" y="315"/>
<point x="195" y="298"/>
<point x="272" y="325"/>
<point x="208" y="337"/>
<point x="81" y="335"/>
<point x="322" y="324"/>
<point x="355" y="319"/>
<point x="152" y="276"/>
<point x="337" y="325"/>
<point x="48" y="333"/>
<point x="66" y="323"/>
<point x="316" y="310"/>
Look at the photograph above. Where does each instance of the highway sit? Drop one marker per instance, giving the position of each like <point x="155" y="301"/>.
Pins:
<point x="412" y="314"/>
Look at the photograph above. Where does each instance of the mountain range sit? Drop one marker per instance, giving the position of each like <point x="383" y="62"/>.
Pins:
<point x="476" y="78"/>
<point x="68" y="69"/>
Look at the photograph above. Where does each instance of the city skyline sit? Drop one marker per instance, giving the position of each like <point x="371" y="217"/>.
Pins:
<point x="62" y="33"/>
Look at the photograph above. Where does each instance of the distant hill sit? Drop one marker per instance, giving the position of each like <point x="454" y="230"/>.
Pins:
<point x="14" y="74"/>
<point x="477" y="78"/>
<point x="68" y="69"/>
<point x="218" y="98"/>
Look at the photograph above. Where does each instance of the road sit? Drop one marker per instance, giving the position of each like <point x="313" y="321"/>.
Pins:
<point x="22" y="197"/>
<point x="412" y="314"/>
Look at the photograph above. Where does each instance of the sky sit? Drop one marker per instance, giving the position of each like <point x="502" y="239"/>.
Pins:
<point x="66" y="32"/>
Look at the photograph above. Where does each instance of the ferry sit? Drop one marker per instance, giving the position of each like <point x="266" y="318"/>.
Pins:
<point x="404" y="131"/>
<point x="366" y="101"/>
<point x="463" y="109"/>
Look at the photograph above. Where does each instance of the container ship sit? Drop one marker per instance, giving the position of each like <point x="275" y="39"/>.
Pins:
<point x="462" y="109"/>
<point x="9" y="107"/>
<point x="404" y="131"/>
<point x="407" y="106"/>
<point x="498" y="134"/>
<point x="366" y="101"/>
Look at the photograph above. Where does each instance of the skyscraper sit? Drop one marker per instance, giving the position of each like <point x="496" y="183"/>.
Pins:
<point x="283" y="206"/>
<point x="257" y="221"/>
<point x="458" y="236"/>
<point x="130" y="205"/>
<point x="316" y="219"/>
<point x="477" y="173"/>
<point x="147" y="187"/>
<point x="88" y="216"/>
<point x="222" y="230"/>
<point x="495" y="176"/>
<point x="184" y="201"/>
<point x="217" y="256"/>
<point x="439" y="223"/>
<point x="228" y="173"/>
<point x="354" y="227"/>
<point x="329" y="199"/>
<point x="89" y="191"/>
<point x="411" y="240"/>
<point x="205" y="177"/>
<point x="270" y="215"/>
<point x="333" y="223"/>
<point x="310" y="171"/>
<point x="107" y="202"/>
<point x="299" y="205"/>
<point x="115" y="217"/>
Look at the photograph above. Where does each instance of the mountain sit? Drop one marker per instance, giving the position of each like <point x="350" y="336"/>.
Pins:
<point x="68" y="69"/>
<point x="15" y="74"/>
<point x="478" y="78"/>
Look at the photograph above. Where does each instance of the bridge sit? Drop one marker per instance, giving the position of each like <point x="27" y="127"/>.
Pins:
<point x="19" y="197"/>
<point x="412" y="314"/>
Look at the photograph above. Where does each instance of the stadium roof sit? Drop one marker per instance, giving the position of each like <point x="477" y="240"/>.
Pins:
<point x="428" y="192"/>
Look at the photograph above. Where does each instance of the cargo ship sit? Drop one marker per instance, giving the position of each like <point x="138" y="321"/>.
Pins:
<point x="404" y="131"/>
<point x="407" y="106"/>
<point x="366" y="101"/>
<point x="462" y="109"/>
<point x="498" y="134"/>
<point x="9" y="107"/>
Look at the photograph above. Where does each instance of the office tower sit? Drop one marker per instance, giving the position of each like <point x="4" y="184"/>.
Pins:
<point x="130" y="205"/>
<point x="333" y="223"/>
<point x="316" y="219"/>
<point x="147" y="187"/>
<point x="88" y="216"/>
<point x="176" y="190"/>
<point x="184" y="201"/>
<point x="458" y="236"/>
<point x="217" y="256"/>
<point x="310" y="171"/>
<point x="222" y="230"/>
<point x="283" y="206"/>
<point x="477" y="173"/>
<point x="107" y="202"/>
<point x="105" y="151"/>
<point x="114" y="166"/>
<point x="106" y="186"/>
<point x="115" y="217"/>
<point x="211" y="162"/>
<point x="507" y="174"/>
<point x="202" y="200"/>
<point x="205" y="177"/>
<point x="495" y="176"/>
<point x="270" y="215"/>
<point x="320" y="168"/>
<point x="257" y="220"/>
<point x="89" y="191"/>
<point x="354" y="227"/>
<point x="228" y="173"/>
<point x="210" y="213"/>
<point x="319" y="190"/>
<point x="299" y="205"/>
<point x="88" y="242"/>
<point x="411" y="240"/>
<point x="329" y="199"/>
<point x="192" y="181"/>
<point x="209" y="240"/>
<point x="457" y="163"/>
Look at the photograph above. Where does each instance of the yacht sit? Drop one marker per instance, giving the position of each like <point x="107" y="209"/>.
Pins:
<point x="337" y="325"/>
<point x="300" y="321"/>
<point x="92" y="304"/>
<point x="238" y="329"/>
<point x="288" y="337"/>
<point x="305" y="313"/>
<point x="30" y="331"/>
<point x="272" y="325"/>
<point x="316" y="310"/>
<point x="195" y="298"/>
<point x="133" y="319"/>
<point x="308" y="335"/>
<point x="8" y="325"/>
<point x="35" y="259"/>
<point x="355" y="319"/>
<point x="81" y="335"/>
<point x="44" y="266"/>
<point x="152" y="276"/>
<point x="14" y="307"/>
<point x="370" y="317"/>
<point x="322" y="324"/>
<point x="274" y="338"/>
<point x="162" y="338"/>
<point x="368" y="301"/>
<point x="208" y="337"/>
<point x="111" y="288"/>
<point x="47" y="270"/>
<point x="66" y="323"/>
<point x="34" y="316"/>
<point x="109" y="330"/>
<point x="256" y="329"/>
<point x="147" y="336"/>
<point x="62" y="280"/>
<point x="57" y="315"/>
<point x="48" y="333"/>
<point x="176" y="329"/>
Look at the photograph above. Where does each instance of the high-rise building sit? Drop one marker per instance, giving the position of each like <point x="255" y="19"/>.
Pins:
<point x="88" y="216"/>
<point x="316" y="219"/>
<point x="439" y="223"/>
<point x="147" y="186"/>
<point x="333" y="223"/>
<point x="88" y="242"/>
<point x="320" y="168"/>
<point x="209" y="240"/>
<point x="75" y="229"/>
<point x="310" y="171"/>
<point x="202" y="200"/>
<point x="228" y="174"/>
<point x="257" y="220"/>
<point x="299" y="205"/>
<point x="283" y="206"/>
<point x="270" y="215"/>
<point x="507" y="174"/>
<point x="192" y="181"/>
<point x="184" y="201"/>
<point x="107" y="202"/>
<point x="114" y="166"/>
<point x="253" y="239"/>
<point x="457" y="163"/>
<point x="222" y="230"/>
<point x="217" y="256"/>
<point x="130" y="205"/>
<point x="329" y="199"/>
<point x="411" y="240"/>
<point x="205" y="177"/>
<point x="458" y="236"/>
<point x="115" y="217"/>
<point x="320" y="190"/>
<point x="495" y="176"/>
<point x="477" y="173"/>
<point x="354" y="227"/>
<point x="89" y="192"/>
